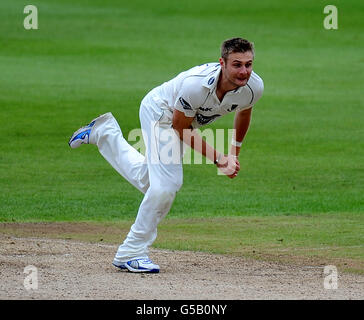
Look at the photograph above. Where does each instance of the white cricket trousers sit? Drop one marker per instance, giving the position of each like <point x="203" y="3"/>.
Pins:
<point x="158" y="180"/>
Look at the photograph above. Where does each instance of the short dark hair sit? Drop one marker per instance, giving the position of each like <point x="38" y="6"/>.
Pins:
<point x="235" y="45"/>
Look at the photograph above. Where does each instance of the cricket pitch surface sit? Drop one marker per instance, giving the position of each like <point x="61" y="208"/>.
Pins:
<point x="69" y="269"/>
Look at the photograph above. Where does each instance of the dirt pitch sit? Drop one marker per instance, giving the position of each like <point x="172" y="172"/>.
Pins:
<point x="69" y="269"/>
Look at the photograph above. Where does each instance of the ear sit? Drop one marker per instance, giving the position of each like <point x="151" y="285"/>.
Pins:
<point x="222" y="62"/>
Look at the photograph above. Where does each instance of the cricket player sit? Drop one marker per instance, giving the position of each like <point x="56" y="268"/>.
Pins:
<point x="192" y="99"/>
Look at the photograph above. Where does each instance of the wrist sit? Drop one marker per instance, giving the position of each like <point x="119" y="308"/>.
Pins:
<point x="218" y="158"/>
<point x="236" y="143"/>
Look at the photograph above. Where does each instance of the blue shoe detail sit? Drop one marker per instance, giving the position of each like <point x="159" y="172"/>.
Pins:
<point x="122" y="266"/>
<point x="80" y="138"/>
<point x="91" y="124"/>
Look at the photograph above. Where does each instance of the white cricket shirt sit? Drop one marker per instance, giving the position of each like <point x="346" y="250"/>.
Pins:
<point x="193" y="92"/>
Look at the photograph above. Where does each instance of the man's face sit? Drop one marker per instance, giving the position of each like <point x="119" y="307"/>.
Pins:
<point x="237" y="68"/>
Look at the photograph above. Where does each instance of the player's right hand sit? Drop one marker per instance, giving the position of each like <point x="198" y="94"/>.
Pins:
<point x="229" y="165"/>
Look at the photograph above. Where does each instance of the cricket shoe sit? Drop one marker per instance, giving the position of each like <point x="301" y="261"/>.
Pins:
<point x="82" y="135"/>
<point x="142" y="265"/>
<point x="139" y="265"/>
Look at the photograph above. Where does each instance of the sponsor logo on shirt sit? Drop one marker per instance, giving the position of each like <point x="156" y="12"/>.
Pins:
<point x="205" y="109"/>
<point x="185" y="104"/>
<point x="233" y="107"/>
<point x="202" y="120"/>
<point x="211" y="80"/>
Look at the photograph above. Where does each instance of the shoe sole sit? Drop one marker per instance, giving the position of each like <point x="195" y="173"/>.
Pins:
<point x="130" y="269"/>
<point x="141" y="270"/>
<point x="84" y="128"/>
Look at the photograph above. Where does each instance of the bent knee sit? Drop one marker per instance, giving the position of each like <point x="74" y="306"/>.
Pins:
<point x="163" y="194"/>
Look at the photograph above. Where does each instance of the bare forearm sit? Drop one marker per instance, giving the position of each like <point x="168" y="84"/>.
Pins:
<point x="241" y="127"/>
<point x="183" y="128"/>
<point x="197" y="143"/>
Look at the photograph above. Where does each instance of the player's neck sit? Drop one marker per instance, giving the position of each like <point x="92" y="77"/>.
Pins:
<point x="223" y="86"/>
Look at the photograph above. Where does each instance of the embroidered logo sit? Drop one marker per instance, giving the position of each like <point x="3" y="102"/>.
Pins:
<point x="211" y="81"/>
<point x="233" y="107"/>
<point x="205" y="109"/>
<point x="185" y="104"/>
<point x="202" y="120"/>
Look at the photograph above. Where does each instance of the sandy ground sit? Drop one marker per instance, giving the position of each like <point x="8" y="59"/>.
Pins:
<point x="79" y="270"/>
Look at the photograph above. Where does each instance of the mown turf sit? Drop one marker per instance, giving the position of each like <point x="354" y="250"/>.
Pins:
<point x="302" y="156"/>
<point x="303" y="153"/>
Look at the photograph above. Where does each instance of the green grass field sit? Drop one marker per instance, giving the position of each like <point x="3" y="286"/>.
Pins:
<point x="303" y="155"/>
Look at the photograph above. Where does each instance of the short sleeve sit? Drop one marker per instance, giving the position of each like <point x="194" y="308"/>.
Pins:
<point x="188" y="98"/>
<point x="257" y="88"/>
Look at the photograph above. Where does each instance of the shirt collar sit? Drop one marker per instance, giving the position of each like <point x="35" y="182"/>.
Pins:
<point x="238" y="90"/>
<point x="212" y="78"/>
